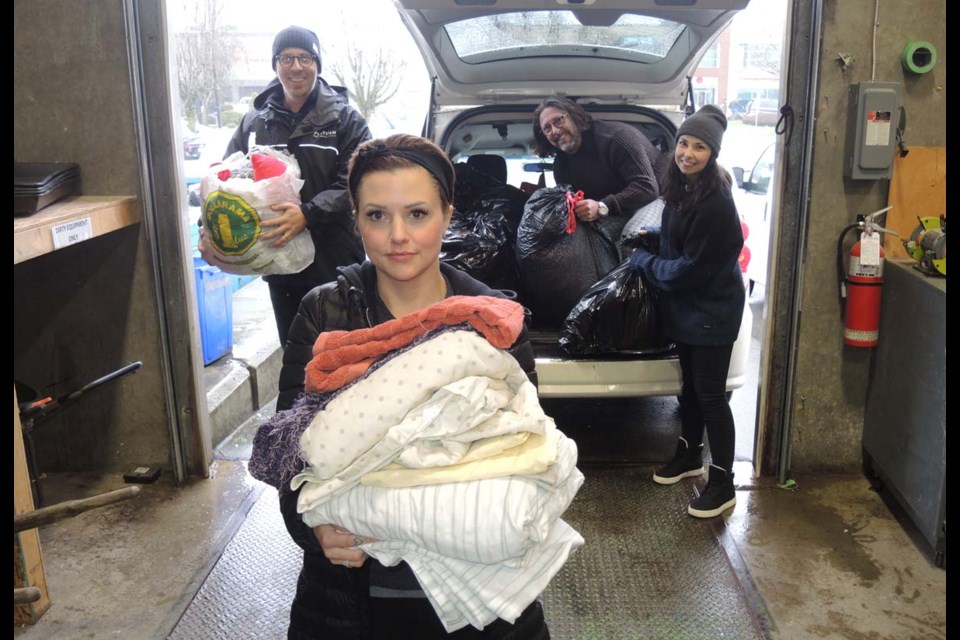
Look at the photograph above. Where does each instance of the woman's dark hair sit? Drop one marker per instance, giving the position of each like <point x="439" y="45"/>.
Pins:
<point x="400" y="151"/>
<point x="682" y="195"/>
<point x="577" y="114"/>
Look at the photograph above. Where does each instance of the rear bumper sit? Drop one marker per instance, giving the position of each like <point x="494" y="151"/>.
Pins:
<point x="560" y="377"/>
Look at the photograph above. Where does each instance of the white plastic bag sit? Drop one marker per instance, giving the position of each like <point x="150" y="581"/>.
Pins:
<point x="235" y="205"/>
<point x="647" y="216"/>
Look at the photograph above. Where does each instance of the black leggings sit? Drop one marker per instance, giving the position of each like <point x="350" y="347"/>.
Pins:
<point x="414" y="618"/>
<point x="703" y="400"/>
<point x="286" y="303"/>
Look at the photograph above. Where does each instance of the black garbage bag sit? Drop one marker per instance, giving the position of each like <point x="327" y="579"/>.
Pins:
<point x="559" y="257"/>
<point x="618" y="314"/>
<point x="545" y="221"/>
<point x="506" y="202"/>
<point x="479" y="242"/>
<point x="482" y="234"/>
<point x="471" y="186"/>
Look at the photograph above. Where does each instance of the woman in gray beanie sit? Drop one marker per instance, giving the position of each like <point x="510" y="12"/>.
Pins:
<point x="696" y="267"/>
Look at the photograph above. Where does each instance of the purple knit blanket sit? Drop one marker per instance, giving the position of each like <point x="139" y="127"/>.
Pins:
<point x="275" y="456"/>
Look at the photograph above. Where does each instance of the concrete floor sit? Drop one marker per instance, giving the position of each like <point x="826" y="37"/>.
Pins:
<point x="830" y="559"/>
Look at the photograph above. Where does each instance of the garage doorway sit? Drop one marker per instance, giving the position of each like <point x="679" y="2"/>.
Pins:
<point x="749" y="59"/>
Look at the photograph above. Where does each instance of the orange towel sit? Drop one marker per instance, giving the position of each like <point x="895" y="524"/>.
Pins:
<point x="339" y="357"/>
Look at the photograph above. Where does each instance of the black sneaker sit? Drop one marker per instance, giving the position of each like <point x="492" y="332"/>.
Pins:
<point x="687" y="462"/>
<point x="718" y="496"/>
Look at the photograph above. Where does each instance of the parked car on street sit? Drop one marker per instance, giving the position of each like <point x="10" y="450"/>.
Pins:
<point x="762" y="111"/>
<point x="745" y="96"/>
<point x="192" y="147"/>
<point x="193" y="192"/>
<point x="738" y="108"/>
<point x="754" y="198"/>
<point x="491" y="65"/>
<point x="192" y="140"/>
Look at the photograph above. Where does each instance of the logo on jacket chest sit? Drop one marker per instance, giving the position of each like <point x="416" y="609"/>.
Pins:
<point x="324" y="134"/>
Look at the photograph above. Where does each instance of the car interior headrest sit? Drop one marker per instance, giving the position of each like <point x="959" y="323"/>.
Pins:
<point x="492" y="165"/>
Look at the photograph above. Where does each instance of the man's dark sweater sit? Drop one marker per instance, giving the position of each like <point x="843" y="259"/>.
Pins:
<point x="615" y="164"/>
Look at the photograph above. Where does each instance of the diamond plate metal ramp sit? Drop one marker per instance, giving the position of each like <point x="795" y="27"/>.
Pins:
<point x="249" y="591"/>
<point x="647" y="571"/>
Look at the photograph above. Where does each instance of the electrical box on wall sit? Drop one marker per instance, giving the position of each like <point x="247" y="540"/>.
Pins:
<point x="872" y="130"/>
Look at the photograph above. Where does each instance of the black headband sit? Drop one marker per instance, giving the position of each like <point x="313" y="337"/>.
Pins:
<point x="437" y="168"/>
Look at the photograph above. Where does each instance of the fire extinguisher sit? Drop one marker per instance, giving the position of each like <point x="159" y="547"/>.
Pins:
<point x="861" y="286"/>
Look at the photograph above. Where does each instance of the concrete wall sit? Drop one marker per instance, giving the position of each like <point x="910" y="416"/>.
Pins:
<point x="831" y="380"/>
<point x="85" y="311"/>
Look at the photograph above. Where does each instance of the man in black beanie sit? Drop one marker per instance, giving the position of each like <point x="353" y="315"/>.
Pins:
<point x="300" y="113"/>
<point x="296" y="38"/>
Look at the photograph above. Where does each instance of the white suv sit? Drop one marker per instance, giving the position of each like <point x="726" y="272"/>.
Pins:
<point x="754" y="197"/>
<point x="628" y="60"/>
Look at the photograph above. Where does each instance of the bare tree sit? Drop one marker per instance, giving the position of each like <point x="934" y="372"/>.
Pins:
<point x="372" y="76"/>
<point x="205" y="55"/>
<point x="764" y="52"/>
<point x="369" y="68"/>
<point x="767" y="59"/>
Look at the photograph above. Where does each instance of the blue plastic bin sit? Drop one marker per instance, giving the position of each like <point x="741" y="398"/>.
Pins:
<point x="240" y="282"/>
<point x="215" y="306"/>
<point x="194" y="231"/>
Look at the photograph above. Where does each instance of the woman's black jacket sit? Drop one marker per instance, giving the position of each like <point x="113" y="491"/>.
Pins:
<point x="332" y="601"/>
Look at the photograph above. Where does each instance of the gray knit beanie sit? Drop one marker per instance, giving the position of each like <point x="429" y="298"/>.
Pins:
<point x="296" y="37"/>
<point x="708" y="124"/>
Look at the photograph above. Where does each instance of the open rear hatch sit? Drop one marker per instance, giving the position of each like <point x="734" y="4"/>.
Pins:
<point x="509" y="51"/>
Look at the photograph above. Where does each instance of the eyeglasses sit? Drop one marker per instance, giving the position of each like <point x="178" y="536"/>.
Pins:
<point x="556" y="123"/>
<point x="286" y="60"/>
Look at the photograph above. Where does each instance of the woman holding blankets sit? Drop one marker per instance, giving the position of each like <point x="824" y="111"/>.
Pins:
<point x="429" y="503"/>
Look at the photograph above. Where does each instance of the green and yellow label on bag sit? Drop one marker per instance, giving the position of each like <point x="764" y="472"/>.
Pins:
<point x="232" y="224"/>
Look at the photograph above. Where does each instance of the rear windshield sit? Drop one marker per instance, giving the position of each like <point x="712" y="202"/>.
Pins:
<point x="533" y="33"/>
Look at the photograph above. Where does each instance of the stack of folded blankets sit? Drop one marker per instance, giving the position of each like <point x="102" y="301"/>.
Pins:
<point x="426" y="434"/>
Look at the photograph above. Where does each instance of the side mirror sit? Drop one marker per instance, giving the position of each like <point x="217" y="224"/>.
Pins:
<point x="738" y="176"/>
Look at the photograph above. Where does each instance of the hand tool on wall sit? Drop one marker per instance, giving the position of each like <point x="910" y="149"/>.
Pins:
<point x="35" y="411"/>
